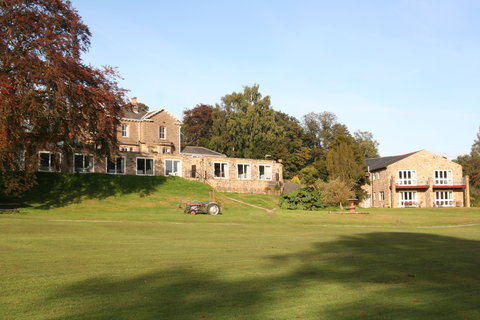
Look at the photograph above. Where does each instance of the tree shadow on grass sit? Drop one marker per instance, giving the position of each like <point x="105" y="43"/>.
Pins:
<point x="405" y="275"/>
<point x="173" y="294"/>
<point x="60" y="189"/>
<point x="380" y="275"/>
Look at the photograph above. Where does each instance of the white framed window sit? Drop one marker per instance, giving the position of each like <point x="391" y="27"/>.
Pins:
<point x="407" y="177"/>
<point x="124" y="130"/>
<point x="408" y="199"/>
<point x="264" y="172"/>
<point x="443" y="177"/>
<point x="48" y="161"/>
<point x="165" y="150"/>
<point x="382" y="196"/>
<point x="145" y="166"/>
<point x="117" y="166"/>
<point x="444" y="199"/>
<point x="163" y="132"/>
<point x="173" y="167"/>
<point x="220" y="170"/>
<point x="243" y="171"/>
<point x="83" y="163"/>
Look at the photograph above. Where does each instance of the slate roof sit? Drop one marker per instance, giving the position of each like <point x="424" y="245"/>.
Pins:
<point x="381" y="163"/>
<point x="200" y="151"/>
<point x="146" y="115"/>
<point x="129" y="114"/>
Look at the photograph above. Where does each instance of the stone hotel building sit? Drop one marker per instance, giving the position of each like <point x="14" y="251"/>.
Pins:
<point x="150" y="145"/>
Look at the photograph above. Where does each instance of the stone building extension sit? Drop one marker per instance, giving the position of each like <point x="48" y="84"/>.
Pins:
<point x="417" y="179"/>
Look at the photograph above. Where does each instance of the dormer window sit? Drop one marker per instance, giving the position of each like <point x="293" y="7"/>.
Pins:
<point x="124" y="130"/>
<point x="163" y="132"/>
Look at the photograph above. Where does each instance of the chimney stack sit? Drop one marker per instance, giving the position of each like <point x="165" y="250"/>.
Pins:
<point x="133" y="102"/>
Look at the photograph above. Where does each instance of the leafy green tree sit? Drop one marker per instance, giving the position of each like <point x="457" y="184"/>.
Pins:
<point x="471" y="163"/>
<point x="321" y="129"/>
<point x="244" y="125"/>
<point x="471" y="167"/>
<point x="289" y="146"/>
<point x="343" y="162"/>
<point x="367" y="144"/>
<point x="475" y="151"/>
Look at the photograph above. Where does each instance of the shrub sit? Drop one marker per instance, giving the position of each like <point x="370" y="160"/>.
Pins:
<point x="335" y="192"/>
<point x="295" y="180"/>
<point x="302" y="199"/>
<point x="309" y="175"/>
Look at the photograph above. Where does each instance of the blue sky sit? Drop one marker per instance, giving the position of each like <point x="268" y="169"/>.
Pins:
<point x="407" y="71"/>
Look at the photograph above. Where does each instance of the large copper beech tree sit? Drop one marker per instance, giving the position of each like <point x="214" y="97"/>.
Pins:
<point x="50" y="99"/>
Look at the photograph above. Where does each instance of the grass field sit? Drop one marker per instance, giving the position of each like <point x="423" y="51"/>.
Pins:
<point x="88" y="247"/>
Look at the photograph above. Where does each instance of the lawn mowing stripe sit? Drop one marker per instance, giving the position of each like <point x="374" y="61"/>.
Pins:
<point x="230" y="223"/>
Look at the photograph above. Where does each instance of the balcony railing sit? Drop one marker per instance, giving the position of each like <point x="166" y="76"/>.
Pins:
<point x="425" y="182"/>
<point x="407" y="182"/>
<point x="449" y="182"/>
<point x="411" y="182"/>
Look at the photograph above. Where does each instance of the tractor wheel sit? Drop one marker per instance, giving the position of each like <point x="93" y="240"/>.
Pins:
<point x="193" y="212"/>
<point x="213" y="209"/>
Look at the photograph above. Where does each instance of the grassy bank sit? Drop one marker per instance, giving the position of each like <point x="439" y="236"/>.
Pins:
<point x="133" y="255"/>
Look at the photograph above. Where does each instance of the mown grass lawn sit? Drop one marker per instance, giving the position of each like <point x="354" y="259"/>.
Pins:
<point x="136" y="256"/>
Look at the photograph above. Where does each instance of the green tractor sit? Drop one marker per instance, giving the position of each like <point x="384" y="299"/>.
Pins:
<point x="205" y="207"/>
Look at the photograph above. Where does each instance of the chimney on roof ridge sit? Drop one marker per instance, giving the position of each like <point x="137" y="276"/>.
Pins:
<point x="133" y="102"/>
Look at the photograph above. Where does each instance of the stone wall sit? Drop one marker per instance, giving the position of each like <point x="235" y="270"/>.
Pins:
<point x="134" y="130"/>
<point x="379" y="182"/>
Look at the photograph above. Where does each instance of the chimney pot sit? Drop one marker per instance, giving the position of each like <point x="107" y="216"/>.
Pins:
<point x="133" y="102"/>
